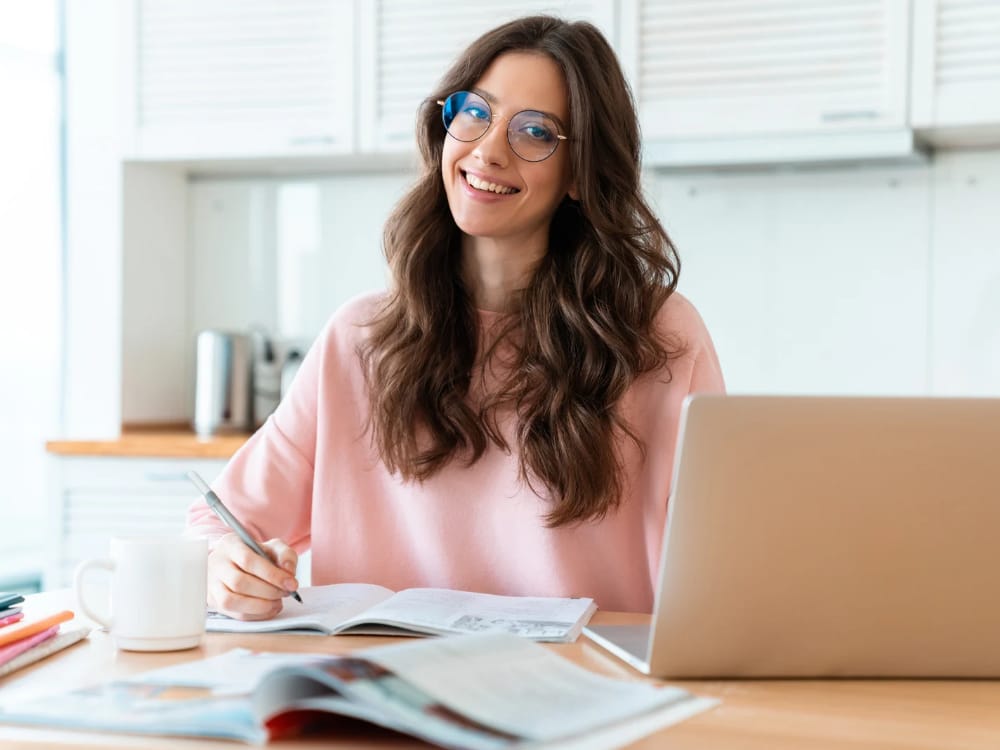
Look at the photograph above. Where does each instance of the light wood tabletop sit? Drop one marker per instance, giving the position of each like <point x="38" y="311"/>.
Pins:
<point x="772" y="714"/>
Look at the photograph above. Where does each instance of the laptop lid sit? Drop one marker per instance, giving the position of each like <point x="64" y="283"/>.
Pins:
<point x="840" y="536"/>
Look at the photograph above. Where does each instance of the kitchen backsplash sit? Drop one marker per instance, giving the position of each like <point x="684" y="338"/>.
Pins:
<point x="858" y="280"/>
<point x="284" y="254"/>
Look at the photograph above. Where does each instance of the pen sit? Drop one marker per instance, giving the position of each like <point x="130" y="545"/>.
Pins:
<point x="230" y="520"/>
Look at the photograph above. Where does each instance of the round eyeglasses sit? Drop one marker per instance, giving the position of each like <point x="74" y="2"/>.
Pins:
<point x="532" y="135"/>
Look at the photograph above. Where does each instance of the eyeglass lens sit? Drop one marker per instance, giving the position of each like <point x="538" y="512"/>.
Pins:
<point x="532" y="135"/>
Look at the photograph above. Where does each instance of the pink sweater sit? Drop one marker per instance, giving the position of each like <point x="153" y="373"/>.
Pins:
<point x="311" y="477"/>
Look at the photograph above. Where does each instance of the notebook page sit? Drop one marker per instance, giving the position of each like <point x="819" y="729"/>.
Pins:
<point x="322" y="607"/>
<point x="537" y="618"/>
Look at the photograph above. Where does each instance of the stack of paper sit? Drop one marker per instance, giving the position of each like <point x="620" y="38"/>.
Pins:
<point x="24" y="642"/>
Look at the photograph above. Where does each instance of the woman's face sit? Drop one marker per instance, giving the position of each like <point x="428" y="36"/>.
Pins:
<point x="525" y="194"/>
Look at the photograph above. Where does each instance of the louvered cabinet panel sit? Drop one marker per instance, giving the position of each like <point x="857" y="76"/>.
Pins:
<point x="956" y="64"/>
<point x="746" y="68"/>
<point x="408" y="45"/>
<point x="94" y="499"/>
<point x="239" y="78"/>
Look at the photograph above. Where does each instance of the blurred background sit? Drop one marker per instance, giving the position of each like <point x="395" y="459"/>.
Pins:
<point x="830" y="174"/>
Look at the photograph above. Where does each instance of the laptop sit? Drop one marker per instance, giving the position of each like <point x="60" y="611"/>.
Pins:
<point x="827" y="537"/>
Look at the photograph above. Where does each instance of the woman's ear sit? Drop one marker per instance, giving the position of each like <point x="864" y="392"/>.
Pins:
<point x="572" y="192"/>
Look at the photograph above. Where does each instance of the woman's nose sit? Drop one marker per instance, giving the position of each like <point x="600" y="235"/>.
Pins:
<point x="493" y="148"/>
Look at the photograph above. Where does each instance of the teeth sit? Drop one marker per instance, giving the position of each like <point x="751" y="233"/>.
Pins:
<point x="491" y="187"/>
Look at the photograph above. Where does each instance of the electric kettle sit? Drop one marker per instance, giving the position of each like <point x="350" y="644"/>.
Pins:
<point x="224" y="387"/>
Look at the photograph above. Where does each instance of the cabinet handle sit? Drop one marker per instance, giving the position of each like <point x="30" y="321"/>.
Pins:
<point x="858" y="114"/>
<point x="167" y="476"/>
<point x="312" y="140"/>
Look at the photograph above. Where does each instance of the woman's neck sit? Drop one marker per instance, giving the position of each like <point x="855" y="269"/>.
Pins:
<point x="494" y="270"/>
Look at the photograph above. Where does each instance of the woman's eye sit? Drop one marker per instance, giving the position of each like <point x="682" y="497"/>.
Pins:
<point x="475" y="113"/>
<point x="537" y="132"/>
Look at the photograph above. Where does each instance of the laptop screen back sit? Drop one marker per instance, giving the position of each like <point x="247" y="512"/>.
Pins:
<point x="812" y="536"/>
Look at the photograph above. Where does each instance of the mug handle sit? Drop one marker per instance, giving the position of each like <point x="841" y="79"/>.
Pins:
<point x="78" y="576"/>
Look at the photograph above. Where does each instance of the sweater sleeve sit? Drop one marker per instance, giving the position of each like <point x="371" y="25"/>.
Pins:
<point x="699" y="366"/>
<point x="706" y="373"/>
<point x="268" y="483"/>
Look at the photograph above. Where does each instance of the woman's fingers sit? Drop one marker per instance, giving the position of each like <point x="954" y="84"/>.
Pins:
<point x="243" y="584"/>
<point x="284" y="556"/>
<point x="223" y="599"/>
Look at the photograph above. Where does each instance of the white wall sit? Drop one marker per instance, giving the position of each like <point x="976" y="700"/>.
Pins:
<point x="860" y="280"/>
<point x="92" y="373"/>
<point x="965" y="274"/>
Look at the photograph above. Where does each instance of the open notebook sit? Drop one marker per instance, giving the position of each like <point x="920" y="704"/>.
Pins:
<point x="361" y="608"/>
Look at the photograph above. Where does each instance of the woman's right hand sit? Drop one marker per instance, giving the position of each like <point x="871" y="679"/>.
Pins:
<point x="245" y="586"/>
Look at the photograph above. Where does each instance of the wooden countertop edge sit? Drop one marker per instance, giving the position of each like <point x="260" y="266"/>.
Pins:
<point x="152" y="443"/>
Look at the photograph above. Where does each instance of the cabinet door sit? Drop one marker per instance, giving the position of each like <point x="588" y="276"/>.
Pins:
<point x="229" y="78"/>
<point x="407" y="45"/>
<point x="95" y="499"/>
<point x="741" y="68"/>
<point x="956" y="65"/>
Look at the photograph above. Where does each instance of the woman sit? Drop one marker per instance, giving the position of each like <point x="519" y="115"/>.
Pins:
<point x="504" y="419"/>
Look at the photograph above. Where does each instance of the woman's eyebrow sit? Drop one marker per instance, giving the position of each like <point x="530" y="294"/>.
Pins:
<point x="486" y="95"/>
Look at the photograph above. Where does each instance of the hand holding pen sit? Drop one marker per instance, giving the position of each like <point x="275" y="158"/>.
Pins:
<point x="250" y="577"/>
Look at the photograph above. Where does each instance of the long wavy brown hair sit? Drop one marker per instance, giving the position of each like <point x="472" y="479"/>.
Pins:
<point x="582" y="330"/>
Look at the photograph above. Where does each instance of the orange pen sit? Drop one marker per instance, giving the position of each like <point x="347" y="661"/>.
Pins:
<point x="13" y="633"/>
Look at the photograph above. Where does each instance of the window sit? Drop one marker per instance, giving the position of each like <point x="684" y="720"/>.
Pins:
<point x="30" y="277"/>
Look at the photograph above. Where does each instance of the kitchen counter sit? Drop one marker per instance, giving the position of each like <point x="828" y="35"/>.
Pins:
<point x="167" y="441"/>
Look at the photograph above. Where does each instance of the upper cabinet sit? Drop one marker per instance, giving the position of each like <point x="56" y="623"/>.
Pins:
<point x="727" y="82"/>
<point x="775" y="76"/>
<point x="234" y="78"/>
<point x="408" y="45"/>
<point x="956" y="70"/>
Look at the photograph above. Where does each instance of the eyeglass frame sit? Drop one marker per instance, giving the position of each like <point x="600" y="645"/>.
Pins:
<point x="493" y="117"/>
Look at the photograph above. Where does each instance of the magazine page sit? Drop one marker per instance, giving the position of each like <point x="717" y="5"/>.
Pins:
<point x="237" y="671"/>
<point x="295" y="698"/>
<point x="442" y="611"/>
<point x="323" y="608"/>
<point x="519" y="687"/>
<point x="284" y="688"/>
<point x="136" y="708"/>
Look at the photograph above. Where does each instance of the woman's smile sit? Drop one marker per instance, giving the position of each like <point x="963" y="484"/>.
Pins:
<point x="485" y="183"/>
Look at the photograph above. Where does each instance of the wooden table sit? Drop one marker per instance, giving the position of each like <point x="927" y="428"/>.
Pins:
<point x="775" y="714"/>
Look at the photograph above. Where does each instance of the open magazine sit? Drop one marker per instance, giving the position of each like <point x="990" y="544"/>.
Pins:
<point x="362" y="608"/>
<point x="486" y="691"/>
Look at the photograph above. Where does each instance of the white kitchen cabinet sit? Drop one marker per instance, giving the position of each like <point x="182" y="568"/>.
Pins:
<point x="229" y="79"/>
<point x="94" y="498"/>
<point x="956" y="71"/>
<point x="406" y="46"/>
<point x="739" y="81"/>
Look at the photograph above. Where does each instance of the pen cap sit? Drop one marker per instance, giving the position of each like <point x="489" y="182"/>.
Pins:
<point x="223" y="383"/>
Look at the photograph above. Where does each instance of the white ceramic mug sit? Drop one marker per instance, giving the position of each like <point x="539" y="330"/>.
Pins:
<point x="158" y="592"/>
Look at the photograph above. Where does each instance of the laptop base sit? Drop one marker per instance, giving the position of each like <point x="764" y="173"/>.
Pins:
<point x="630" y="643"/>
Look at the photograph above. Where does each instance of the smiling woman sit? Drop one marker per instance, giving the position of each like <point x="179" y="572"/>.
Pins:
<point x="30" y="282"/>
<point x="503" y="420"/>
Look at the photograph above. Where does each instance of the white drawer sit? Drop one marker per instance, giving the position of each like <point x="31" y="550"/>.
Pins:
<point x="97" y="498"/>
<point x="165" y="474"/>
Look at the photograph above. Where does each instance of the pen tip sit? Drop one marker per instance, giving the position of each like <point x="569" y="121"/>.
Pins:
<point x="297" y="597"/>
